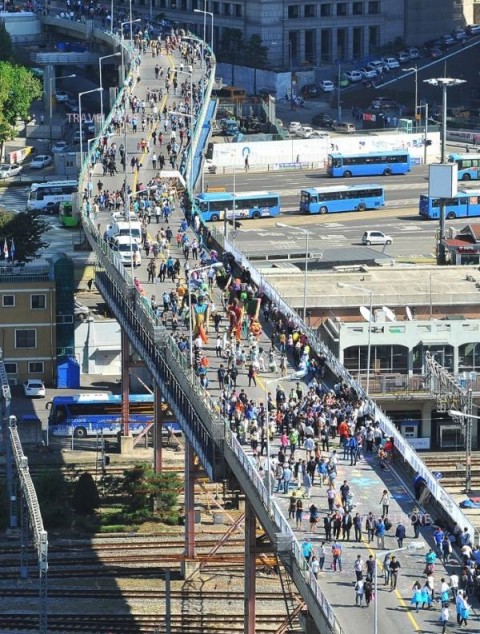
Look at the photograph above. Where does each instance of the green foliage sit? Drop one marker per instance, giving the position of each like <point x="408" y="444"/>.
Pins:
<point x="54" y="498"/>
<point x="6" y="47"/>
<point x="235" y="50"/>
<point x="85" y="495"/>
<point x="27" y="231"/>
<point x="150" y="493"/>
<point x="18" y="89"/>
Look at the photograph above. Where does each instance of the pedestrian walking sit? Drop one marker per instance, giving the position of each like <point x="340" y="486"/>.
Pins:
<point x="385" y="502"/>
<point x="358" y="567"/>
<point x="400" y="533"/>
<point x="322" y="552"/>
<point x="394" y="570"/>
<point x="359" y="592"/>
<point x="417" y="597"/>
<point x="315" y="566"/>
<point x="368" y="591"/>
<point x="337" y="556"/>
<point x="299" y="514"/>
<point x="444" y="616"/>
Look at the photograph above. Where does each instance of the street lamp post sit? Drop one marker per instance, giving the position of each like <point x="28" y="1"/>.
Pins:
<point x="191" y="117"/>
<point x="364" y="289"/>
<point x="80" y="95"/>
<point x="205" y="13"/>
<point x="414" y="69"/>
<point x="190" y="318"/>
<point x="425" y="131"/>
<point x="411" y="546"/>
<point x="100" y="59"/>
<point x="466" y="416"/>
<point x="89" y="141"/>
<point x="122" y="24"/>
<point x="305" y="277"/>
<point x="50" y="94"/>
<point x="445" y="83"/>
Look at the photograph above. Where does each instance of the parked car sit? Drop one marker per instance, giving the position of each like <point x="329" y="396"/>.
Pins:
<point x="473" y="29"/>
<point x="322" y="120"/>
<point x="390" y="62"/>
<point x="34" y="388"/>
<point x="59" y="146"/>
<point x="80" y="311"/>
<point x="376" y="237"/>
<point x="368" y="73"/>
<point x="326" y="85"/>
<point x="447" y="39"/>
<point x="459" y="35"/>
<point x="348" y="128"/>
<point x="310" y="90"/>
<point x="414" y="52"/>
<point x="436" y="52"/>
<point x="294" y="126"/>
<point x="10" y="170"/>
<point x="353" y="76"/>
<point x="377" y="66"/>
<point x="61" y="96"/>
<point x="41" y="161"/>
<point x="403" y="56"/>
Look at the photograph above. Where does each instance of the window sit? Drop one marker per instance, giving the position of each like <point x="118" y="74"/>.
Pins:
<point x="216" y="8"/>
<point x="374" y="7"/>
<point x="238" y="10"/>
<point x="8" y="301"/>
<point x="184" y="5"/>
<point x="357" y="8"/>
<point x="309" y="11"/>
<point x="64" y="319"/>
<point x="38" y="302"/>
<point x="293" y="11"/>
<point x="10" y="368"/>
<point x="26" y="338"/>
<point x="342" y="8"/>
<point x="325" y="10"/>
<point x="226" y="8"/>
<point x="35" y="367"/>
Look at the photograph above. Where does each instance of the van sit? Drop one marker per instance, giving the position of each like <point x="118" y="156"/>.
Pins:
<point x="343" y="127"/>
<point x="128" y="229"/>
<point x="230" y="93"/>
<point x="126" y="247"/>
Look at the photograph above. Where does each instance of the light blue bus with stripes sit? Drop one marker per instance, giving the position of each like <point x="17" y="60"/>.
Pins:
<point x="326" y="200"/>
<point x="380" y="163"/>
<point x="213" y="206"/>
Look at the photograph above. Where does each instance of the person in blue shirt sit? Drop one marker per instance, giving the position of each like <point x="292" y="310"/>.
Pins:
<point x="307" y="549"/>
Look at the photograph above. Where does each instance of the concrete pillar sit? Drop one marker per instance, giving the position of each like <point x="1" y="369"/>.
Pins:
<point x="126" y="445"/>
<point x="250" y="570"/>
<point x="125" y="384"/>
<point x="189" y="502"/>
<point x="157" y="431"/>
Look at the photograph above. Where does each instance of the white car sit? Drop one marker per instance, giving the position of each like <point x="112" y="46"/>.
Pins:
<point x="307" y="132"/>
<point x="368" y="73"/>
<point x="403" y="56"/>
<point x="7" y="171"/>
<point x="353" y="76"/>
<point x="34" y="388"/>
<point x="391" y="62"/>
<point x="294" y="126"/>
<point x="326" y="85"/>
<point x="41" y="161"/>
<point x="59" y="146"/>
<point x="414" y="52"/>
<point x="459" y="35"/>
<point x="376" y="237"/>
<point x="377" y="66"/>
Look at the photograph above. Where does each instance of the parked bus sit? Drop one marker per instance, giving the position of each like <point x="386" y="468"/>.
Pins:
<point x="466" y="204"/>
<point x="368" y="164"/>
<point x="468" y="166"/>
<point x="48" y="196"/>
<point x="325" y="200"/>
<point x="213" y="205"/>
<point x="86" y="415"/>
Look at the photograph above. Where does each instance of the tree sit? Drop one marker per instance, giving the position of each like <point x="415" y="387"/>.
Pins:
<point x="26" y="230"/>
<point x="6" y="47"/>
<point x="144" y="486"/>
<point x="53" y="494"/>
<point x="85" y="495"/>
<point x="231" y="46"/>
<point x="255" y="54"/>
<point x="18" y="89"/>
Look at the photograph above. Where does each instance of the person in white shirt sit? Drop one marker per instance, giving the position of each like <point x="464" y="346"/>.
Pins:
<point x="454" y="585"/>
<point x="315" y="566"/>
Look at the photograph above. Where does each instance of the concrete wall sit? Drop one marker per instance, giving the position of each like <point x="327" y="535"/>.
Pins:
<point x="302" y="151"/>
<point x="98" y="347"/>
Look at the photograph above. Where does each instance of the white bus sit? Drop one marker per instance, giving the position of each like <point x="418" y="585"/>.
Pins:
<point x="48" y="196"/>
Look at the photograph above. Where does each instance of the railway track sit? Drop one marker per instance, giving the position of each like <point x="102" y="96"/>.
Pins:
<point x="141" y="624"/>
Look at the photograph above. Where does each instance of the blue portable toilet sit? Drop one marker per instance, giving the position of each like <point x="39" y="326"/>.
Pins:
<point x="68" y="373"/>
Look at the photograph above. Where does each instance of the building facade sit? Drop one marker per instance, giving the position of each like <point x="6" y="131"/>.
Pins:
<point x="316" y="33"/>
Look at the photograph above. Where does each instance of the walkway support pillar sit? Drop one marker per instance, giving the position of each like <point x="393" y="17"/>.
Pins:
<point x="125" y="383"/>
<point x="250" y="569"/>
<point x="157" y="430"/>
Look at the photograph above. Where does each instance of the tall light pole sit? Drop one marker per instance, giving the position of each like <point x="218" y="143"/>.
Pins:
<point x="425" y="131"/>
<point x="205" y="13"/>
<point x="122" y="24"/>
<point x="305" y="277"/>
<point x="445" y="83"/>
<point x="411" y="546"/>
<point x="215" y="265"/>
<point x="364" y="289"/>
<point x="51" y="80"/>
<point x="91" y="167"/>
<point x="468" y="417"/>
<point x="414" y="69"/>
<point x="100" y="60"/>
<point x="80" y="95"/>
<point x="192" y="117"/>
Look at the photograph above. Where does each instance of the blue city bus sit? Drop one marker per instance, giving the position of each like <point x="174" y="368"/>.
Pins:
<point x="324" y="200"/>
<point x="466" y="204"/>
<point x="86" y="415"/>
<point x="379" y="163"/>
<point x="468" y="166"/>
<point x="214" y="205"/>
